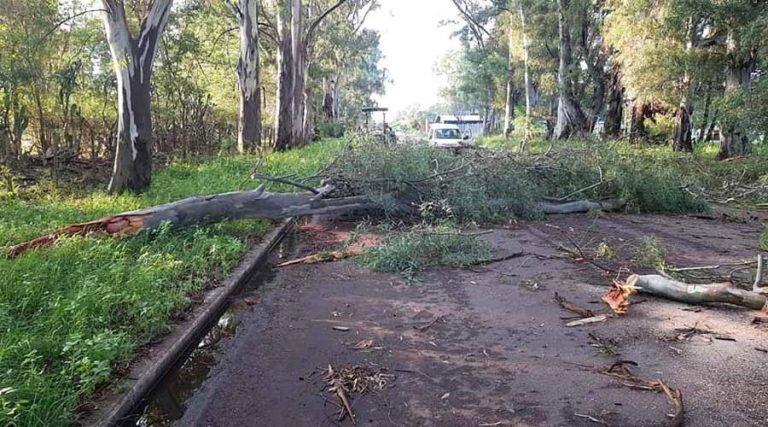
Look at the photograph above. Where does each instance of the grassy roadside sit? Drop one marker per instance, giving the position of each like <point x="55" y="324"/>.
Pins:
<point x="73" y="315"/>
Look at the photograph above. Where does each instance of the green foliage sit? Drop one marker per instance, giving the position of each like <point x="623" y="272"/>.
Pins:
<point x="651" y="253"/>
<point x="763" y="245"/>
<point x="426" y="247"/>
<point x="475" y="185"/>
<point x="73" y="313"/>
<point x="496" y="185"/>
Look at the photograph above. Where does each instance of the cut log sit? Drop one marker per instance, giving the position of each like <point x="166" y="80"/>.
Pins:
<point x="697" y="294"/>
<point x="203" y="210"/>
<point x="581" y="206"/>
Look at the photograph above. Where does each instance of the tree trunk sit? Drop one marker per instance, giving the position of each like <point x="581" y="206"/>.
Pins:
<point x="201" y="210"/>
<point x="299" y="51"/>
<point x="284" y="101"/>
<point x="570" y="117"/>
<point x="526" y="73"/>
<point x="509" y="111"/>
<point x="132" y="59"/>
<point x="329" y="100"/>
<point x="683" y="122"/>
<point x="249" y="120"/>
<point x="614" y="111"/>
<point x="734" y="140"/>
<point x="640" y="111"/>
<point x="697" y="294"/>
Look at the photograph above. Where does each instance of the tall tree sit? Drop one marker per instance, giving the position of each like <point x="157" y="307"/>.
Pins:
<point x="132" y="59"/>
<point x="570" y="117"/>
<point x="249" y="121"/>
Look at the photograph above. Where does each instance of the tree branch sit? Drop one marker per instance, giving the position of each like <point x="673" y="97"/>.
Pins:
<point x="319" y="19"/>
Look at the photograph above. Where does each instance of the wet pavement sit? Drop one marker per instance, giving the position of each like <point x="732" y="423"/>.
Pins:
<point x="485" y="346"/>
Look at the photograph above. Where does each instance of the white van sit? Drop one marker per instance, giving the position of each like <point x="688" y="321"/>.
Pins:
<point x="448" y="136"/>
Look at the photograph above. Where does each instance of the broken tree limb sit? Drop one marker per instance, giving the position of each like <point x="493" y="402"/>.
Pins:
<point x="201" y="210"/>
<point x="698" y="293"/>
<point x="581" y="206"/>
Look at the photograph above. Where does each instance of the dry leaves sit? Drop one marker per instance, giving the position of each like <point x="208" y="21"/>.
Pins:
<point x="356" y="379"/>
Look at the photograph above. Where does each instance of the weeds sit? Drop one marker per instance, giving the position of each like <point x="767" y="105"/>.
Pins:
<point x="418" y="249"/>
<point x="651" y="253"/>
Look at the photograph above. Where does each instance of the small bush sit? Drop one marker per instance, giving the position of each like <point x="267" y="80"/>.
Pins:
<point x="651" y="253"/>
<point x="419" y="249"/>
<point x="763" y="245"/>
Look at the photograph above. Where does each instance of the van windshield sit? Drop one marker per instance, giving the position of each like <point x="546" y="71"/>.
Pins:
<point x="447" y="134"/>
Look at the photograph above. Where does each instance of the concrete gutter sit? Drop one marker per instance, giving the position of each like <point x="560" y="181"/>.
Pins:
<point x="180" y="343"/>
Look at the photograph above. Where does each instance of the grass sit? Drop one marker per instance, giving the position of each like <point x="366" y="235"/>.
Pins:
<point x="422" y="248"/>
<point x="74" y="314"/>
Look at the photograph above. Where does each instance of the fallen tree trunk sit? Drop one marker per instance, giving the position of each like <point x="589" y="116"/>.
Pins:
<point x="697" y="294"/>
<point x="201" y="210"/>
<point x="581" y="206"/>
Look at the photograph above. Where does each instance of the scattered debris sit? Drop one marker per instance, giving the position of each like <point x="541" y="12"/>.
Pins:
<point x="618" y="297"/>
<point x="588" y="320"/>
<point x="605" y="346"/>
<point x="619" y="371"/>
<point x="363" y="345"/>
<point x="430" y="324"/>
<point x="684" y="334"/>
<point x="591" y="418"/>
<point x="758" y="320"/>
<point x="573" y="308"/>
<point x="356" y="379"/>
<point x="445" y="396"/>
<point x="341" y="328"/>
<point x="250" y="301"/>
<point x="361" y="243"/>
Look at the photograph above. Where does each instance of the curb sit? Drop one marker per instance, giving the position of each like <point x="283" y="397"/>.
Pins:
<point x="123" y="410"/>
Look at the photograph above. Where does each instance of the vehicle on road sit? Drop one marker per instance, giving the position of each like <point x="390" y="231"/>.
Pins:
<point x="448" y="136"/>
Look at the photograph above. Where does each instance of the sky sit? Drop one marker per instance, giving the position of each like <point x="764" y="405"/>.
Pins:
<point x="412" y="41"/>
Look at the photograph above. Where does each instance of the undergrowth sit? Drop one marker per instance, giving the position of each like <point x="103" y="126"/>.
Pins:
<point x="73" y="314"/>
<point x="421" y="248"/>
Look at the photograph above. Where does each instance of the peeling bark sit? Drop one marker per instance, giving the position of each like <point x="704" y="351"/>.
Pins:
<point x="249" y="121"/>
<point x="284" y="101"/>
<point x="201" y="210"/>
<point x="132" y="59"/>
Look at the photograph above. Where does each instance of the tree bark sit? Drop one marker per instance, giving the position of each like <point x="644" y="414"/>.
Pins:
<point x="697" y="294"/>
<point x="249" y="121"/>
<point x="132" y="59"/>
<point x="299" y="53"/>
<point x="734" y="140"/>
<point x="614" y="111"/>
<point x="526" y="73"/>
<point x="570" y="117"/>
<point x="284" y="101"/>
<point x="683" y="123"/>
<point x="509" y="111"/>
<point x="201" y="210"/>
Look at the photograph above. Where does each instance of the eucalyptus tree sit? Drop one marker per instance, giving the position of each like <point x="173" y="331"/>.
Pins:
<point x="132" y="58"/>
<point x="249" y="121"/>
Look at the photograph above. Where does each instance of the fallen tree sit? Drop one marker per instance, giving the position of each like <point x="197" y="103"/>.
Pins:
<point x="201" y="210"/>
<point x="664" y="287"/>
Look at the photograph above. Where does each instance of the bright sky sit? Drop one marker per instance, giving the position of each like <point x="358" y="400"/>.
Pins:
<point x="412" y="41"/>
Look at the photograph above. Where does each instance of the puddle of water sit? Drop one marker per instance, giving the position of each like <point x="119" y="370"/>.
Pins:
<point x="166" y="405"/>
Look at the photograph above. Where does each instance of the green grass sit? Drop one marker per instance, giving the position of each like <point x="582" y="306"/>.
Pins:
<point x="418" y="249"/>
<point x="74" y="313"/>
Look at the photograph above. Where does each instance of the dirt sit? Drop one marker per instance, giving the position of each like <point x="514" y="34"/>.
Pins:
<point x="487" y="346"/>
